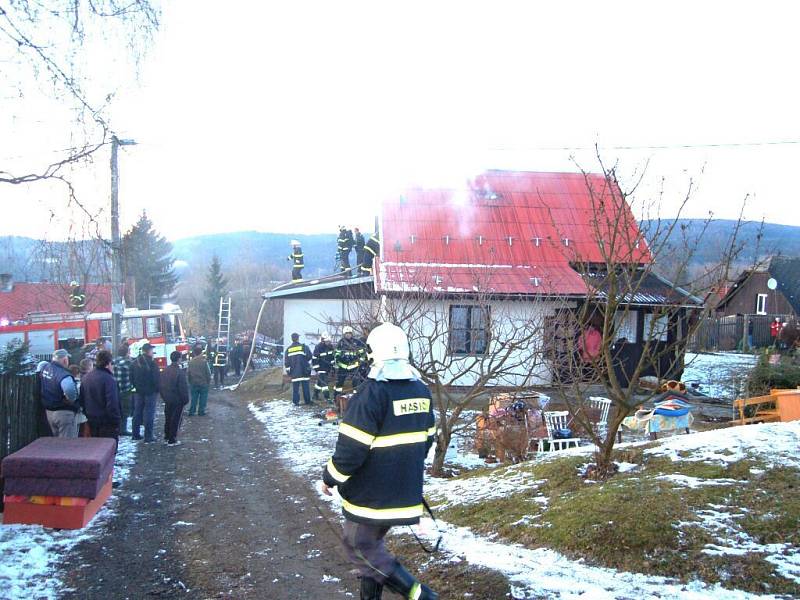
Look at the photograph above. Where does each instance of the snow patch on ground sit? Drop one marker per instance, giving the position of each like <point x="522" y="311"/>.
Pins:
<point x="776" y="444"/>
<point x="720" y="374"/>
<point x="539" y="573"/>
<point x="29" y="553"/>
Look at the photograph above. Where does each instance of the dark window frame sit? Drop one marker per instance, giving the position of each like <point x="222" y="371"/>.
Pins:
<point x="473" y="338"/>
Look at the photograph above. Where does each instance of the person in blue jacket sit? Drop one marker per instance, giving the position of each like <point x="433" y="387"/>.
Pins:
<point x="297" y="361"/>
<point x="379" y="461"/>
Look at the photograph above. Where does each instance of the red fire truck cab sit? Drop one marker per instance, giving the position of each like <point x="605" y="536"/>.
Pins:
<point x="46" y="333"/>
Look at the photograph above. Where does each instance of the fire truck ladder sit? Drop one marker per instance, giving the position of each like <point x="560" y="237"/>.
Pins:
<point x="223" y="332"/>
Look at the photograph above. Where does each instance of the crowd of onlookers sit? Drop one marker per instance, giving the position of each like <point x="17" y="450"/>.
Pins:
<point x="101" y="394"/>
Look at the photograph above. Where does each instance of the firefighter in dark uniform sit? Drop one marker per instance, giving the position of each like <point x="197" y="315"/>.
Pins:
<point x="322" y="363"/>
<point x="358" y="244"/>
<point x="296" y="258"/>
<point x="379" y="461"/>
<point x="371" y="249"/>
<point x="350" y="354"/>
<point x="297" y="361"/>
<point x="77" y="297"/>
<point x="344" y="243"/>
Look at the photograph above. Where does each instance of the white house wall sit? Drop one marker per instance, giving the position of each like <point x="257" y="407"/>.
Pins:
<point x="311" y="317"/>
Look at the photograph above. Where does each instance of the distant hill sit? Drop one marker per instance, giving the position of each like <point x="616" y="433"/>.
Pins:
<point x="19" y="255"/>
<point x="258" y="248"/>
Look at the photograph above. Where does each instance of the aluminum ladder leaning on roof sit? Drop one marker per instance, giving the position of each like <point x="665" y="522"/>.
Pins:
<point x="223" y="332"/>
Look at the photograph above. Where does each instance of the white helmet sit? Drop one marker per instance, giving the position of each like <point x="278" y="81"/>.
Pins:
<point x="295" y="242"/>
<point x="347" y="329"/>
<point x="388" y="351"/>
<point x="324" y="336"/>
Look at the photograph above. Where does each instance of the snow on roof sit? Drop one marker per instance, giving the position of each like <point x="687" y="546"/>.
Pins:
<point x="507" y="220"/>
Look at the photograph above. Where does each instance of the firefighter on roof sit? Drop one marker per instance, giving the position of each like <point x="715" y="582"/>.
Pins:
<point x="344" y="243"/>
<point x="379" y="461"/>
<point x="77" y="297"/>
<point x="322" y="363"/>
<point x="296" y="258"/>
<point x="371" y="250"/>
<point x="350" y="354"/>
<point x="297" y="361"/>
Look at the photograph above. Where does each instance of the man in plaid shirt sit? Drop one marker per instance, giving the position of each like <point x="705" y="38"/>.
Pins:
<point x="122" y="373"/>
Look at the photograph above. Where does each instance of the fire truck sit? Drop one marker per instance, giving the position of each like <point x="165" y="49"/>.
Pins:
<point x="46" y="333"/>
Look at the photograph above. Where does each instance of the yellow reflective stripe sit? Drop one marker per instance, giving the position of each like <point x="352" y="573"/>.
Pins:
<point x="301" y="379"/>
<point x="408" y="512"/>
<point x="356" y="434"/>
<point x="399" y="439"/>
<point x="298" y="351"/>
<point x="335" y="473"/>
<point x="416" y="591"/>
<point x="432" y="431"/>
<point x="297" y="280"/>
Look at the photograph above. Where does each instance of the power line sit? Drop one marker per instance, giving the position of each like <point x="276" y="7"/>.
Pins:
<point x="652" y="147"/>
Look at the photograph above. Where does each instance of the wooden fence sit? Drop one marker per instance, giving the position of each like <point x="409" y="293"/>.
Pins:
<point x="22" y="418"/>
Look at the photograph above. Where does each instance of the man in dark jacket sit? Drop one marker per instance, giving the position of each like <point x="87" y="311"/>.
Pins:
<point x="100" y="398"/>
<point x="59" y="396"/>
<point x="379" y="462"/>
<point x="344" y="244"/>
<point x="371" y="251"/>
<point x="297" y="361"/>
<point x="296" y="258"/>
<point x="145" y="379"/>
<point x="175" y="393"/>
<point x="122" y="373"/>
<point x="322" y="363"/>
<point x="199" y="374"/>
<point x="358" y="244"/>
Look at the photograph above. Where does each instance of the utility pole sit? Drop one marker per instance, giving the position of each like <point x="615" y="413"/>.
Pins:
<point x="116" y="250"/>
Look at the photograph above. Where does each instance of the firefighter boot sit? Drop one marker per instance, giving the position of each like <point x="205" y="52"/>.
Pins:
<point x="402" y="582"/>
<point x="371" y="589"/>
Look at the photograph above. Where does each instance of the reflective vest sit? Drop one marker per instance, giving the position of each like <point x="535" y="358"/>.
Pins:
<point x="350" y="353"/>
<point x="323" y="357"/>
<point x="379" y="460"/>
<point x="297" y="360"/>
<point x="52" y="394"/>
<point x="297" y="258"/>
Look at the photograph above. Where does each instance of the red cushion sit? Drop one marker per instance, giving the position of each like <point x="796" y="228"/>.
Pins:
<point x="62" y="458"/>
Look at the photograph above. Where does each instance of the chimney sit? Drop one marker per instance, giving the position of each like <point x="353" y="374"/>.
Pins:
<point x="6" y="282"/>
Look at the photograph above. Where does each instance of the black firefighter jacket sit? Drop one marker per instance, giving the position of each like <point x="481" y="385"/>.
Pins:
<point x="379" y="461"/>
<point x="297" y="361"/>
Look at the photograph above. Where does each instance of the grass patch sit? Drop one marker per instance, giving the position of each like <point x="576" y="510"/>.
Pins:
<point x="640" y="522"/>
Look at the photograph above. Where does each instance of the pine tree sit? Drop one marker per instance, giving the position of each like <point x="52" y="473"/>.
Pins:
<point x="216" y="287"/>
<point x="147" y="259"/>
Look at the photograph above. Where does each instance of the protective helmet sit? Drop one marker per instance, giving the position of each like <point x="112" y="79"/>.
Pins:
<point x="324" y="336"/>
<point x="74" y="284"/>
<point x="388" y="350"/>
<point x="347" y="329"/>
<point x="295" y="243"/>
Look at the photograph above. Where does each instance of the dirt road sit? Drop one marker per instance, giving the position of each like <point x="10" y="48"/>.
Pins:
<point x="217" y="517"/>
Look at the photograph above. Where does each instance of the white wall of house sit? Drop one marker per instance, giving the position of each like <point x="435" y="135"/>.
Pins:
<point x="311" y="317"/>
<point x="429" y="328"/>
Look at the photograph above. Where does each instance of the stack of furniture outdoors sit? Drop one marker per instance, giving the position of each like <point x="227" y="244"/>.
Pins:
<point x="511" y="426"/>
<point x="671" y="412"/>
<point x="779" y="406"/>
<point x="58" y="482"/>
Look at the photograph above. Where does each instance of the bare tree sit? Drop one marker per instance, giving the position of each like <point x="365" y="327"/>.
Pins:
<point x="465" y="345"/>
<point x="641" y="322"/>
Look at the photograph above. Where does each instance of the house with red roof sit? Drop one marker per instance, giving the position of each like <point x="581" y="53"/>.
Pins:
<point x="527" y="245"/>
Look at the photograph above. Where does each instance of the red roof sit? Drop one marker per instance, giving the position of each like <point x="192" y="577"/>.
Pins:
<point x="51" y="298"/>
<point x="505" y="232"/>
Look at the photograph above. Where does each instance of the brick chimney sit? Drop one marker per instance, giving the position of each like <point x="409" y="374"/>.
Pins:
<point x="6" y="282"/>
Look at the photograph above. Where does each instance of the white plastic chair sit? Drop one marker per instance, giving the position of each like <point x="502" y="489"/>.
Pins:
<point x="555" y="420"/>
<point x="604" y="406"/>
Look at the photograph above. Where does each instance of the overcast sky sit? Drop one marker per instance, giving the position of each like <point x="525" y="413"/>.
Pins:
<point x="296" y="116"/>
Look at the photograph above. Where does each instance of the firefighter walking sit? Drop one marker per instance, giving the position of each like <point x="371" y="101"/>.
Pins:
<point x="296" y="258"/>
<point x="322" y="363"/>
<point x="297" y="361"/>
<point x="379" y="461"/>
<point x="350" y="354"/>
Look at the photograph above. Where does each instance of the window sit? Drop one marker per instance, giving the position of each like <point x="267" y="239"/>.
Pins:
<point x="761" y="304"/>
<point x="658" y="330"/>
<point x="154" y="328"/>
<point x="73" y="333"/>
<point x="42" y="342"/>
<point x="469" y="329"/>
<point x="132" y="328"/>
<point x="105" y="328"/>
